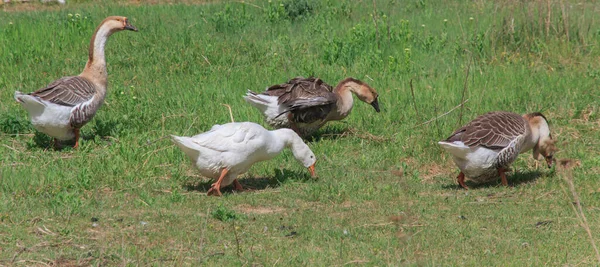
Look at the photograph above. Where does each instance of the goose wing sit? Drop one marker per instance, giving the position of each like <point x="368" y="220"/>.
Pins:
<point x="494" y="130"/>
<point x="67" y="91"/>
<point x="229" y="137"/>
<point x="305" y="89"/>
<point x="309" y="99"/>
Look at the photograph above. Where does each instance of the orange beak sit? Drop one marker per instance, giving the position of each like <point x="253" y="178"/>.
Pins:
<point x="311" y="169"/>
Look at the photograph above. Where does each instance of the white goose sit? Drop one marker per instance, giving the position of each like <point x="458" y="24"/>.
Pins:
<point x="229" y="150"/>
<point x="309" y="103"/>
<point x="486" y="147"/>
<point x="65" y="105"/>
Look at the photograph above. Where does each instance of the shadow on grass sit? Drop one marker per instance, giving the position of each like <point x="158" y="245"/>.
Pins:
<point x="102" y="129"/>
<point x="328" y="133"/>
<point x="254" y="183"/>
<point x="514" y="179"/>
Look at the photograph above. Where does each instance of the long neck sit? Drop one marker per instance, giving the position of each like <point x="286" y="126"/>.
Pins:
<point x="284" y="138"/>
<point x="279" y="141"/>
<point x="532" y="138"/>
<point x="345" y="101"/>
<point x="95" y="68"/>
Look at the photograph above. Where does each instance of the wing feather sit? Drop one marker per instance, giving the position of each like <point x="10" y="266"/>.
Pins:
<point x="495" y="130"/>
<point x="308" y="99"/>
<point x="67" y="91"/>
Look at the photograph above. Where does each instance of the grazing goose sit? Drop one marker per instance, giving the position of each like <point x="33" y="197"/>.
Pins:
<point x="306" y="104"/>
<point x="65" y="105"/>
<point x="229" y="150"/>
<point x="485" y="147"/>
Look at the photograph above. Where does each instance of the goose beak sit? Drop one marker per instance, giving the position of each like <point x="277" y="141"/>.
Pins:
<point x="549" y="161"/>
<point x="311" y="169"/>
<point x="375" y="104"/>
<point x="130" y="27"/>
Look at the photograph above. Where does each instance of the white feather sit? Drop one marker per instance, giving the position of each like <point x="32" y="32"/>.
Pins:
<point x="269" y="107"/>
<point x="47" y="117"/>
<point x="237" y="146"/>
<point x="472" y="161"/>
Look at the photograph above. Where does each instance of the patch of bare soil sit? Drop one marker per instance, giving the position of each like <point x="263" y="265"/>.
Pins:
<point x="245" y="208"/>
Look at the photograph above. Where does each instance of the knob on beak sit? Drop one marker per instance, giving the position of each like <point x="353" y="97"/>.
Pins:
<point x="130" y="27"/>
<point x="375" y="104"/>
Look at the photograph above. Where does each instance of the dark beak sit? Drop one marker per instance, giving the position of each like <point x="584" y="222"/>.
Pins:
<point x="311" y="169"/>
<point x="549" y="161"/>
<point x="375" y="104"/>
<point x="130" y="27"/>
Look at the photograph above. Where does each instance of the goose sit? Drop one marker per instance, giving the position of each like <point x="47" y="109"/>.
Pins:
<point x="228" y="150"/>
<point x="486" y="147"/>
<point x="306" y="104"/>
<point x="65" y="105"/>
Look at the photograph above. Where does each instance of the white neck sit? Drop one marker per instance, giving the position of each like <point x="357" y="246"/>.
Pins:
<point x="284" y="138"/>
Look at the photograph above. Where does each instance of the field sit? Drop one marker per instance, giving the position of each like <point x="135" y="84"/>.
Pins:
<point x="386" y="193"/>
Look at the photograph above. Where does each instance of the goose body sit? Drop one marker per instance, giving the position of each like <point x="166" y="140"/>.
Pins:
<point x="306" y="104"/>
<point x="228" y="150"/>
<point x="485" y="148"/>
<point x="67" y="104"/>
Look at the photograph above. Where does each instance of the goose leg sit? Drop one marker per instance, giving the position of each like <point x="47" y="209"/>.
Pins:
<point x="292" y="124"/>
<point x="76" y="130"/>
<point x="56" y="144"/>
<point x="216" y="187"/>
<point x="502" y="174"/>
<point x="461" y="180"/>
<point x="237" y="185"/>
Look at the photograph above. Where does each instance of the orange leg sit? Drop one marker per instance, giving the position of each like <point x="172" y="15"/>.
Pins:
<point x="216" y="187"/>
<point x="237" y="185"/>
<point x="76" y="130"/>
<point x="503" y="176"/>
<point x="461" y="180"/>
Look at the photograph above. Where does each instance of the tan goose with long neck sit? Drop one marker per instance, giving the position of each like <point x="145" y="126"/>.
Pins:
<point x="486" y="147"/>
<point x="65" y="105"/>
<point x="306" y="104"/>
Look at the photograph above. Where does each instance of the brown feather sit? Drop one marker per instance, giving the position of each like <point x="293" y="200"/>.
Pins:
<point x="493" y="130"/>
<point x="67" y="91"/>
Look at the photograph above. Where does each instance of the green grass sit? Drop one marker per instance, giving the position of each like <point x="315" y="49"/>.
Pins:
<point x="386" y="192"/>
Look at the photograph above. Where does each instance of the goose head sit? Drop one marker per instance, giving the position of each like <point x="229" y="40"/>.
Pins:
<point x="118" y="23"/>
<point x="545" y="145"/>
<point x="363" y="91"/>
<point x="305" y="156"/>
<point x="300" y="150"/>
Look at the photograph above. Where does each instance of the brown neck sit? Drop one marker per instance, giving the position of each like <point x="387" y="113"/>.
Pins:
<point x="345" y="101"/>
<point x="95" y="68"/>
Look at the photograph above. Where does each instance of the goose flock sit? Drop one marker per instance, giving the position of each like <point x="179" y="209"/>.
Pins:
<point x="483" y="149"/>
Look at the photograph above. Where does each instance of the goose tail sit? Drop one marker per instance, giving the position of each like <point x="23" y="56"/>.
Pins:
<point x="257" y="100"/>
<point x="32" y="104"/>
<point x="187" y="145"/>
<point x="458" y="149"/>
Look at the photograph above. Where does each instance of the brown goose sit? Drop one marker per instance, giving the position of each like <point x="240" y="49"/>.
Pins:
<point x="65" y="105"/>
<point x="306" y="104"/>
<point x="485" y="147"/>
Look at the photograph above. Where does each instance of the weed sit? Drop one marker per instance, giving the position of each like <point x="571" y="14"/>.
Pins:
<point x="298" y="9"/>
<point x="13" y="124"/>
<point x="224" y="214"/>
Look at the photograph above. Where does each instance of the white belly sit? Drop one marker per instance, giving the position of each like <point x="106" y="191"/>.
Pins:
<point x="476" y="163"/>
<point x="53" y="120"/>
